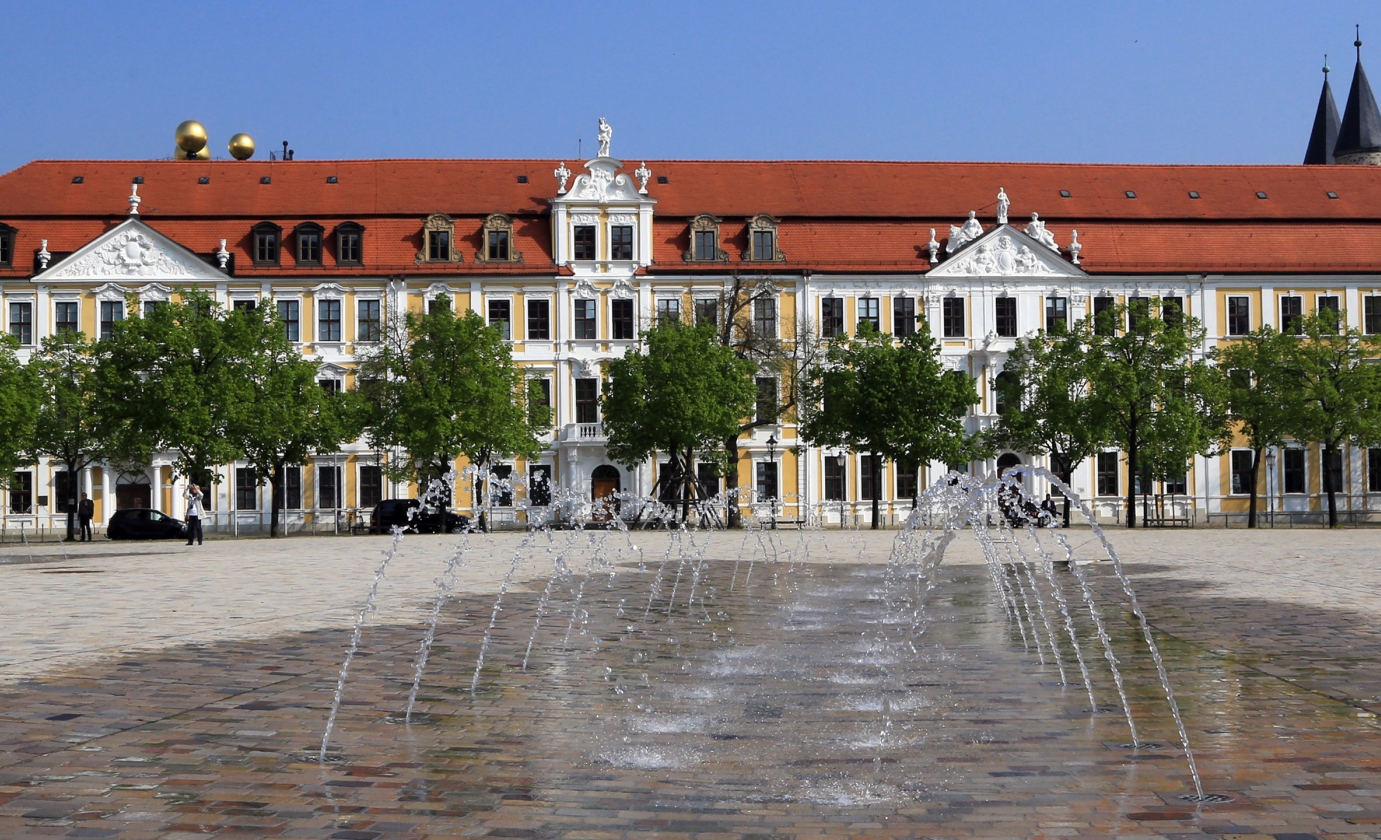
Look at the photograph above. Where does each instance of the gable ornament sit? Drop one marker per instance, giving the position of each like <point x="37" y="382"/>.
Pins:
<point x="961" y="235"/>
<point x="1036" y="230"/>
<point x="934" y="247"/>
<point x="222" y="256"/>
<point x="44" y="256"/>
<point x="1074" y="246"/>
<point x="563" y="175"/>
<point x="1002" y="205"/>
<point x="642" y="173"/>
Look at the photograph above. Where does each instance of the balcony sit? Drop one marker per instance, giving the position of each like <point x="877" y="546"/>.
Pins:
<point x="583" y="433"/>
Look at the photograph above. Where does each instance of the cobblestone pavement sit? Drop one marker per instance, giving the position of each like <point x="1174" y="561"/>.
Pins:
<point x="733" y="686"/>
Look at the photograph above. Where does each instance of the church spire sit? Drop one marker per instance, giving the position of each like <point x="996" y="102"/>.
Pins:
<point x="1359" y="135"/>
<point x="1325" y="134"/>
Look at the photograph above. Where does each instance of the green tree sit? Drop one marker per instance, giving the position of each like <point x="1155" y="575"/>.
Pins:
<point x="890" y="399"/>
<point x="288" y="416"/>
<point x="683" y="393"/>
<point x="441" y="386"/>
<point x="1046" y="405"/>
<point x="1160" y="399"/>
<point x="1258" y="394"/>
<point x="19" y="404"/>
<point x="1336" y="389"/>
<point x="68" y="427"/>
<point x="175" y="380"/>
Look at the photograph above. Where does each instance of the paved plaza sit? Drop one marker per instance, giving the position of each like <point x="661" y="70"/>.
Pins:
<point x="730" y="686"/>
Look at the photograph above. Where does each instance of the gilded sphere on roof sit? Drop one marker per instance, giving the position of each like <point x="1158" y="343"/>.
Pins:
<point x="241" y="146"/>
<point x="190" y="137"/>
<point x="204" y="154"/>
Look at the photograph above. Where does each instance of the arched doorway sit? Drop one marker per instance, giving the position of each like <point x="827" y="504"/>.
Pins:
<point x="1006" y="461"/>
<point x="604" y="483"/>
<point x="132" y="490"/>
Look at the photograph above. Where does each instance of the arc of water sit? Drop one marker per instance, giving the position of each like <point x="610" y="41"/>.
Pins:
<point x="1048" y="565"/>
<point x="444" y="585"/>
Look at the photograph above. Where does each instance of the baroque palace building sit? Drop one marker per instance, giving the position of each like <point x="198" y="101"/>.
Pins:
<point x="573" y="264"/>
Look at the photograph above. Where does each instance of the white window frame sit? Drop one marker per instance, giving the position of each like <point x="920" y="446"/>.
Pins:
<point x="291" y="298"/>
<point x="376" y="296"/>
<point x="617" y="219"/>
<point x="586" y="219"/>
<point x="325" y="292"/>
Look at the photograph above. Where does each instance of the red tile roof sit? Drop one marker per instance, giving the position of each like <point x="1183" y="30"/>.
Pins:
<point x="836" y="216"/>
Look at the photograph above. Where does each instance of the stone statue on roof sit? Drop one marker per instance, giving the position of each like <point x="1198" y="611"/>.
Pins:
<point x="606" y="133"/>
<point x="1036" y="230"/>
<point x="961" y="236"/>
<point x="1002" y="205"/>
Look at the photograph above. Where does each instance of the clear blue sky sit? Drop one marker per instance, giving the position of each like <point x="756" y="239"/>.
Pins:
<point x="1151" y="82"/>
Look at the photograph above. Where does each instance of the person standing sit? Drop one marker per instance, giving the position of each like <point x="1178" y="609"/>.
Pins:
<point x="85" y="510"/>
<point x="193" y="497"/>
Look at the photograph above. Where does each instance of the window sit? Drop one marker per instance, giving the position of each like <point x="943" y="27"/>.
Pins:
<point x="587" y="401"/>
<point x="707" y="476"/>
<point x="1107" y="473"/>
<point x="438" y="239"/>
<point x="1332" y="195"/>
<point x="1261" y="195"/>
<point x="831" y="317"/>
<point x="706" y="245"/>
<point x="1178" y="485"/>
<point x="1131" y="194"/>
<point x="539" y="403"/>
<point x="865" y="477"/>
<point x="669" y="477"/>
<point x="64" y="491"/>
<point x="1064" y="193"/>
<point x="22" y="493"/>
<point x="668" y="312"/>
<point x="1001" y="386"/>
<point x="903" y="316"/>
<point x="1374" y="470"/>
<point x="1056" y="314"/>
<point x="953" y="317"/>
<point x="539" y="320"/>
<point x="907" y="480"/>
<point x="243" y="306"/>
<point x="440" y="303"/>
<point x="1005" y="317"/>
<point x="1241" y="467"/>
<point x="501" y="485"/>
<point x="762" y="239"/>
<point x="500" y="315"/>
<point x="6" y="246"/>
<point x="264" y="238"/>
<point x="330" y="386"/>
<point x="1194" y="194"/>
<point x="370" y="326"/>
<point x="870" y="313"/>
<point x="292" y="488"/>
<point x="767" y="399"/>
<point x="288" y="313"/>
<point x="1291" y="313"/>
<point x="765" y="317"/>
<point x="539" y="485"/>
<point x="1332" y="466"/>
<point x="246" y="489"/>
<point x="328" y="320"/>
<point x="371" y="486"/>
<point x="309" y="243"/>
<point x="66" y="320"/>
<point x="707" y="312"/>
<point x="1371" y="314"/>
<point x="585" y="324"/>
<point x="621" y="242"/>
<point x="1172" y="311"/>
<point x="151" y="306"/>
<point x="496" y="245"/>
<point x="585" y="242"/>
<point x="1102" y="320"/>
<point x="496" y="240"/>
<point x="834" y="477"/>
<point x="704" y="240"/>
<point x="22" y="321"/>
<point x="328" y="493"/>
<point x="111" y="311"/>
<point x="767" y="480"/>
<point x="1294" y="478"/>
<point x="349" y="243"/>
<point x="1239" y="315"/>
<point x="621" y="312"/>
<point x="1138" y="310"/>
<point x="1329" y="311"/>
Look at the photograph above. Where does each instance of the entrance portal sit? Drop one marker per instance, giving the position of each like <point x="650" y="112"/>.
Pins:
<point x="604" y="483"/>
<point x="133" y="496"/>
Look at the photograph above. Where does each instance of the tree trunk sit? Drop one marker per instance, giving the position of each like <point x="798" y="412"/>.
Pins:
<point x="275" y="498"/>
<point x="1330" y="483"/>
<point x="1251" y="504"/>
<point x="732" y="516"/>
<point x="71" y="503"/>
<point x="1131" y="481"/>
<point x="1065" y="472"/>
<point x="875" y="480"/>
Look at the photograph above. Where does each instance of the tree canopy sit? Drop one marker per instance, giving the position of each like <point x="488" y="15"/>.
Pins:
<point x="19" y="405"/>
<point x="68" y="427"/>
<point x="1258" y="394"/>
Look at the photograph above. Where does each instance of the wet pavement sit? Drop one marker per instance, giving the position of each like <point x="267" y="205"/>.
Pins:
<point x="732" y="688"/>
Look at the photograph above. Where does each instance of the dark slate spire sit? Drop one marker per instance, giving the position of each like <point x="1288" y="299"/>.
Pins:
<point x="1359" y="135"/>
<point x="1325" y="134"/>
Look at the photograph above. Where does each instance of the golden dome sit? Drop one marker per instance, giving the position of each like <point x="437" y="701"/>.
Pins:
<point x="204" y="154"/>
<point x="190" y="137"/>
<point x="241" y="146"/>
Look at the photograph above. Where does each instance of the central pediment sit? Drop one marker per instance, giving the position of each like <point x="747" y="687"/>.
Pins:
<point x="132" y="251"/>
<point x="1006" y="251"/>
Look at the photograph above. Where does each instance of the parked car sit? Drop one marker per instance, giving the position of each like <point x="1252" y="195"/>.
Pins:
<point x="413" y="516"/>
<point x="145" y="524"/>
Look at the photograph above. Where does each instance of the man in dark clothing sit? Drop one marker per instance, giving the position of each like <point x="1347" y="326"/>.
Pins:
<point x="85" y="510"/>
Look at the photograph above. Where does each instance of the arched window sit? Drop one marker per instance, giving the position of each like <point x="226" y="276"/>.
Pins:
<point x="264" y="240"/>
<point x="704" y="240"/>
<point x="438" y="240"/>
<point x="496" y="240"/>
<point x="349" y="243"/>
<point x="762" y="239"/>
<point x="308" y="236"/>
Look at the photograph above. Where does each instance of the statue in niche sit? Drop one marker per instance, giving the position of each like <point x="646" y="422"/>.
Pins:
<point x="961" y="235"/>
<point x="1036" y="230"/>
<point x="606" y="133"/>
<point x="1002" y="205"/>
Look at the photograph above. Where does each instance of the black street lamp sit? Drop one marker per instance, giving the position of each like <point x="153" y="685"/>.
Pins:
<point x="772" y="459"/>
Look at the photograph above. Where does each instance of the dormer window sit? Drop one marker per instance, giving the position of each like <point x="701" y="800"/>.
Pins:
<point x="349" y="243"/>
<point x="762" y="240"/>
<point x="308" y="243"/>
<point x="264" y="239"/>
<point x="438" y="237"/>
<point x="497" y="240"/>
<point x="6" y="246"/>
<point x="704" y="240"/>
